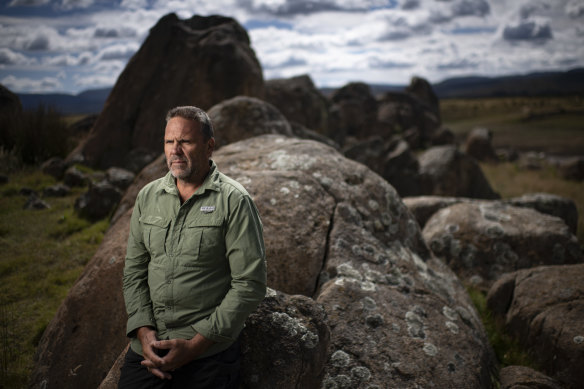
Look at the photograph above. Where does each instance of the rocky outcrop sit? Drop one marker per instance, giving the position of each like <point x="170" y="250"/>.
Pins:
<point x="394" y="160"/>
<point x="544" y="308"/>
<point x="487" y="239"/>
<point x="479" y="145"/>
<point x="397" y="315"/>
<point x="422" y="90"/>
<point x="423" y="207"/>
<point x="521" y="377"/>
<point x="455" y="174"/>
<point x="353" y="113"/>
<point x="245" y="117"/>
<point x="298" y="99"/>
<point x="199" y="61"/>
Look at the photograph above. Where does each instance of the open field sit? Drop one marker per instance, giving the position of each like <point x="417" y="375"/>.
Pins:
<point x="552" y="125"/>
<point x="43" y="252"/>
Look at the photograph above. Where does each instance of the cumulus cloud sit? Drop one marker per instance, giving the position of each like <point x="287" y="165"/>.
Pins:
<point x="9" y="57"/>
<point x="25" y="84"/>
<point x="575" y="9"/>
<point x="27" y="3"/>
<point x="118" y="51"/>
<point x="410" y="4"/>
<point x="528" y="30"/>
<point x="303" y="7"/>
<point x="71" y="4"/>
<point x="95" y="80"/>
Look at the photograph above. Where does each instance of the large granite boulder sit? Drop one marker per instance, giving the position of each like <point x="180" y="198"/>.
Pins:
<point x="453" y="173"/>
<point x="299" y="101"/>
<point x="423" y="207"/>
<point x="200" y="61"/>
<point x="398" y="316"/>
<point x="245" y="117"/>
<point x="544" y="308"/>
<point x="339" y="234"/>
<point x="487" y="239"/>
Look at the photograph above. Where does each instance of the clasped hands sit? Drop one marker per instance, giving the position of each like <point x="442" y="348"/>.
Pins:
<point x="180" y="351"/>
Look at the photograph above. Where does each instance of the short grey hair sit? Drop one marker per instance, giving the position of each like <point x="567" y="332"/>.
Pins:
<point x="196" y="114"/>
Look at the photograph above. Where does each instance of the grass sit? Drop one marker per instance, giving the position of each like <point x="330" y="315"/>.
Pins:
<point x="551" y="125"/>
<point x="42" y="254"/>
<point x="506" y="347"/>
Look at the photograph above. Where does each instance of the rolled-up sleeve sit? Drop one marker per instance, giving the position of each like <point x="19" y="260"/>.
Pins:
<point x="135" y="278"/>
<point x="245" y="252"/>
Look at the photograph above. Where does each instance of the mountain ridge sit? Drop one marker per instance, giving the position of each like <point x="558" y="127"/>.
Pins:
<point x="570" y="82"/>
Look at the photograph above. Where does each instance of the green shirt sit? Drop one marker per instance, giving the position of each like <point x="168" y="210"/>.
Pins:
<point x="194" y="268"/>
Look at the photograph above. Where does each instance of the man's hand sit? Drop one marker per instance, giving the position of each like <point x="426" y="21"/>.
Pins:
<point x="181" y="352"/>
<point x="148" y="339"/>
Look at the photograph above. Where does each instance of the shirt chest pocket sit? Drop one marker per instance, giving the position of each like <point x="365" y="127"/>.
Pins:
<point x="203" y="243"/>
<point x="155" y="231"/>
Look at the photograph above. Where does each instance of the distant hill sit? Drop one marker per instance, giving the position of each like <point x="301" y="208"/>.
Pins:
<point x="90" y="101"/>
<point x="536" y="84"/>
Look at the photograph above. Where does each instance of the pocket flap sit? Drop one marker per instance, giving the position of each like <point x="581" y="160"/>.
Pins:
<point x="155" y="220"/>
<point x="206" y="222"/>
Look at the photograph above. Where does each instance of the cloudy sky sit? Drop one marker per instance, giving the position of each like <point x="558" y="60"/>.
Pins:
<point x="74" y="45"/>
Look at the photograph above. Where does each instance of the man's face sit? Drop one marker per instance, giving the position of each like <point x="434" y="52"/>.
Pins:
<point x="187" y="153"/>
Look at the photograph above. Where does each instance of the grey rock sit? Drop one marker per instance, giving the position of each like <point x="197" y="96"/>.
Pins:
<point x="298" y="99"/>
<point x="492" y="238"/>
<point x="550" y="204"/>
<point x="453" y="173"/>
<point x="543" y="308"/>
<point x="423" y="207"/>
<point x="572" y="169"/>
<point x="99" y="201"/>
<point x="58" y="190"/>
<point x="479" y="145"/>
<point x="34" y="203"/>
<point x="521" y="377"/>
<point x="245" y="117"/>
<point x="120" y="178"/>
<point x="54" y="167"/>
<point x="75" y="177"/>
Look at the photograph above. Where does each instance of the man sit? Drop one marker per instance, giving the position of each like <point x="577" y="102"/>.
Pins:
<point x="195" y="267"/>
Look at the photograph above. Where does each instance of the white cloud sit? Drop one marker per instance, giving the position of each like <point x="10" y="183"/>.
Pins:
<point x="95" y="80"/>
<point x="71" y="4"/>
<point x="27" y="3"/>
<point x="25" y="84"/>
<point x="9" y="57"/>
<point x="118" y="51"/>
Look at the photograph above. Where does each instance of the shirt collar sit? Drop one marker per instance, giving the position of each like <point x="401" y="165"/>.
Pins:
<point x="211" y="182"/>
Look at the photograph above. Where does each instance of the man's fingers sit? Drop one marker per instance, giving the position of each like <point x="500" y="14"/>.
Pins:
<point x="160" y="374"/>
<point x="164" y="344"/>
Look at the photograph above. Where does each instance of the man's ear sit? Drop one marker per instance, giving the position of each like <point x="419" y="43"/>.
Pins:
<point x="210" y="146"/>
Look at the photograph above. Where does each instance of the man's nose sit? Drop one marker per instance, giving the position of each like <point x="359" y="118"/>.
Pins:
<point x="176" y="149"/>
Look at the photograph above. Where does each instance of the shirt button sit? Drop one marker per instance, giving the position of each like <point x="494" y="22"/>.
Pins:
<point x="169" y="281"/>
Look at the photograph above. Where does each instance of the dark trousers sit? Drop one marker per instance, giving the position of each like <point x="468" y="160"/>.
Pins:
<point x="219" y="371"/>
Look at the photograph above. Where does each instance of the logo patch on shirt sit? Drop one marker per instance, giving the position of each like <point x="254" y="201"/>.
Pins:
<point x="207" y="208"/>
